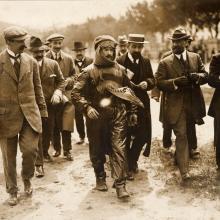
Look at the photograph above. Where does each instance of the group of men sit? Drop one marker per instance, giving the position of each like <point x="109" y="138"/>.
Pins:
<point x="41" y="95"/>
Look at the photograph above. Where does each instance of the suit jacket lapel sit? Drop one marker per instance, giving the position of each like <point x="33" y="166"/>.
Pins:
<point x="179" y="69"/>
<point x="44" y="69"/>
<point x="24" y="67"/>
<point x="8" y="67"/>
<point x="191" y="61"/>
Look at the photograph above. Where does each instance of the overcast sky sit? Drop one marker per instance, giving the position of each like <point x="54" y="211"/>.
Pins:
<point x="44" y="14"/>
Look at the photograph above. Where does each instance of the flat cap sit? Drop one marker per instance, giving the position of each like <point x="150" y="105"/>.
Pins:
<point x="55" y="36"/>
<point x="15" y="33"/>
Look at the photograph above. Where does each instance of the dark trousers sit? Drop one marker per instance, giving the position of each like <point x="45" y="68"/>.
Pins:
<point x="46" y="136"/>
<point x="108" y="134"/>
<point x="181" y="142"/>
<point x="191" y="134"/>
<point x="167" y="136"/>
<point x="66" y="140"/>
<point x="28" y="142"/>
<point x="59" y="131"/>
<point x="141" y="135"/>
<point x="80" y="125"/>
<point x="217" y="138"/>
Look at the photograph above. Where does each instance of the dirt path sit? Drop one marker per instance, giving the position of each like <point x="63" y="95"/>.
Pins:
<point x="66" y="192"/>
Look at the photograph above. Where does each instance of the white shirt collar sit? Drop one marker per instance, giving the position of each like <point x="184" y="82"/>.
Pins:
<point x="179" y="55"/>
<point x="11" y="53"/>
<point x="132" y="59"/>
<point x="59" y="54"/>
<point x="40" y="62"/>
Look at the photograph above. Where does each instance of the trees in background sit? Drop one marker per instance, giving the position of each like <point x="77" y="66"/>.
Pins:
<point x="159" y="16"/>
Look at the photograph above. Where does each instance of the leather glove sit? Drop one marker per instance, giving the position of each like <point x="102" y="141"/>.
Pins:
<point x="64" y="99"/>
<point x="92" y="113"/>
<point x="69" y="83"/>
<point x="182" y="81"/>
<point x="57" y="97"/>
<point x="194" y="77"/>
<point x="143" y="85"/>
<point x="132" y="120"/>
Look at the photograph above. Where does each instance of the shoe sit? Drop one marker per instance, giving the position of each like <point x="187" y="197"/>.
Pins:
<point x="130" y="176"/>
<point x="39" y="171"/>
<point x="185" y="177"/>
<point x="48" y="159"/>
<point x="122" y="192"/>
<point x="13" y="199"/>
<point x="101" y="184"/>
<point x="68" y="155"/>
<point x="56" y="154"/>
<point x="194" y="154"/>
<point x="27" y="187"/>
<point x="81" y="141"/>
<point x="134" y="167"/>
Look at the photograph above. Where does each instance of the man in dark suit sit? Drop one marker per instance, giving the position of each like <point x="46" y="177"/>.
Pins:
<point x="81" y="61"/>
<point x="179" y="76"/>
<point x="214" y="109"/>
<point x="65" y="112"/>
<point x="53" y="85"/>
<point x="144" y="80"/>
<point x="22" y="105"/>
<point x="167" y="130"/>
<point x="122" y="45"/>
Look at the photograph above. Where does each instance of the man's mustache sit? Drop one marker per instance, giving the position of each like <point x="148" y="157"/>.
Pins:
<point x="136" y="55"/>
<point x="39" y="57"/>
<point x="22" y="47"/>
<point x="110" y="57"/>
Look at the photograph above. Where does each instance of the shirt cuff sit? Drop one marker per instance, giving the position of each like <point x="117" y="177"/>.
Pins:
<point x="174" y="85"/>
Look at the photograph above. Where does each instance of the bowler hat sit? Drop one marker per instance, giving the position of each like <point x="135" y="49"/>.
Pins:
<point x="35" y="43"/>
<point x="15" y="33"/>
<point x="179" y="34"/>
<point x="79" y="45"/>
<point x="122" y="40"/>
<point x="54" y="37"/>
<point x="137" y="38"/>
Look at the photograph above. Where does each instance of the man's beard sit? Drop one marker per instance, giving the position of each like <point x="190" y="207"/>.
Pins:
<point x="79" y="56"/>
<point x="136" y="55"/>
<point x="177" y="49"/>
<point x="39" y="58"/>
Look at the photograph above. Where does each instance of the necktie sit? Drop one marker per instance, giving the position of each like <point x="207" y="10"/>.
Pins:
<point x="16" y="65"/>
<point x="79" y="63"/>
<point x="182" y="60"/>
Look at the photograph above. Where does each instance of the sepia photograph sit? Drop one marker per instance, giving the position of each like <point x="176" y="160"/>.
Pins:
<point x="110" y="110"/>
